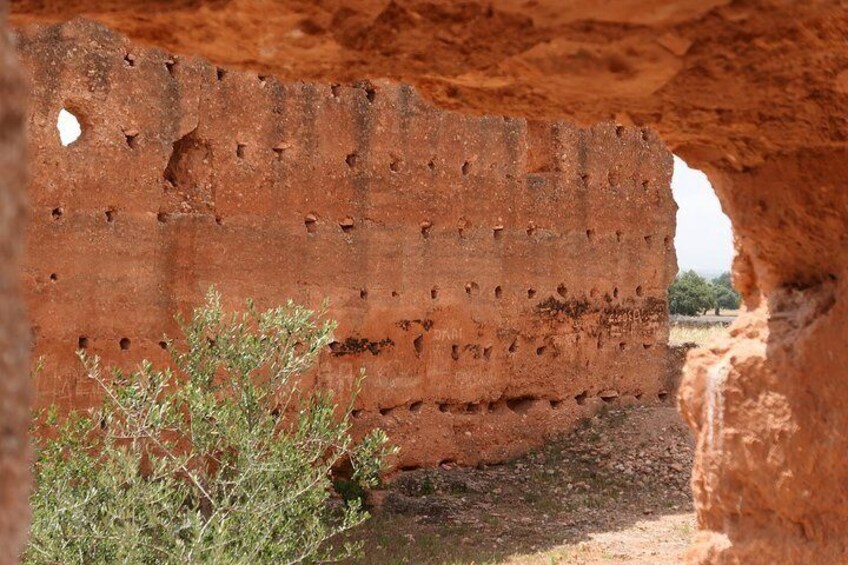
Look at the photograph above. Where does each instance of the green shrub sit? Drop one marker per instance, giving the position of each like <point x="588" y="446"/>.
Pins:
<point x="726" y="297"/>
<point x="221" y="460"/>
<point x="690" y="295"/>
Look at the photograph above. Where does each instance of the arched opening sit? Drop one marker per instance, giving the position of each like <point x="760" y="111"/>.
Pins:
<point x="702" y="301"/>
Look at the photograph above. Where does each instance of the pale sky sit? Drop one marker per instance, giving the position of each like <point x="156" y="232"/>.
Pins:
<point x="704" y="239"/>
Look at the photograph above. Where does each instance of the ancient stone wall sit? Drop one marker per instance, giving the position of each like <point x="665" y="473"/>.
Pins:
<point x="496" y="278"/>
<point x="14" y="380"/>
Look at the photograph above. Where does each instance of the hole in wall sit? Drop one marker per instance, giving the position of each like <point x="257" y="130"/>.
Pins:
<point x="363" y="293"/>
<point x="370" y="91"/>
<point x="57" y="213"/>
<point x="416" y="406"/>
<point x="69" y="127"/>
<point x="608" y="395"/>
<point x="54" y="277"/>
<point x="311" y="223"/>
<point x="473" y="408"/>
<point x="124" y="343"/>
<point x="639" y="291"/>
<point x="129" y="60"/>
<point x="426" y="226"/>
<point x="351" y="159"/>
<point x="131" y="137"/>
<point x="280" y="150"/>
<point x="540" y="350"/>
<point x="356" y="413"/>
<point x="395" y="294"/>
<point x="531" y="292"/>
<point x="443" y="407"/>
<point x="455" y="352"/>
<point x="346" y="224"/>
<point x="418" y="344"/>
<point x="581" y="398"/>
<point x="434" y="292"/>
<point x="472" y="288"/>
<point x="531" y="229"/>
<point x="394" y="166"/>
<point x="562" y="290"/>
<point x="487" y="352"/>
<point x="110" y="215"/>
<point x="220" y="73"/>
<point x="170" y="64"/>
<point x="466" y="168"/>
<point x="498" y="292"/>
<point x="163" y="345"/>
<point x="497" y="231"/>
<point x="241" y="148"/>
<point x="513" y="347"/>
<point x="82" y="342"/>
<point x="590" y="235"/>
<point x="461" y="226"/>
<point x="520" y="405"/>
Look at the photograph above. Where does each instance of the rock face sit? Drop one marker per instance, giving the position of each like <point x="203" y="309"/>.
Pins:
<point x="754" y="92"/>
<point x="496" y="279"/>
<point x="14" y="380"/>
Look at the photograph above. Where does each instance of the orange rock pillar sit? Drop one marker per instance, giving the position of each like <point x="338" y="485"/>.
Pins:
<point x="14" y="380"/>
<point x="769" y="403"/>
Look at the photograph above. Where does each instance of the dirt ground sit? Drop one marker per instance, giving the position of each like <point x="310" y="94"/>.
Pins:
<point x="615" y="490"/>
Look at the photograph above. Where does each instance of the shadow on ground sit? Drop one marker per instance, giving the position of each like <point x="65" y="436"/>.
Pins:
<point x="615" y="490"/>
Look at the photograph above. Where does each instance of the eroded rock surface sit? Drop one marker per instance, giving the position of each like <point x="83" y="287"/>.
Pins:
<point x="496" y="278"/>
<point x="754" y="92"/>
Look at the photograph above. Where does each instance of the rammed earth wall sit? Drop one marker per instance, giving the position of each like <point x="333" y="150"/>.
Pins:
<point x="496" y="278"/>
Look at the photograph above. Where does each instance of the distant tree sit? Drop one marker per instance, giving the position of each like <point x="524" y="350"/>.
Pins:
<point x="726" y="296"/>
<point x="690" y="294"/>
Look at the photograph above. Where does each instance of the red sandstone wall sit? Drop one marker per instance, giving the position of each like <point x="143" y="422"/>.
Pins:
<point x="14" y="381"/>
<point x="495" y="278"/>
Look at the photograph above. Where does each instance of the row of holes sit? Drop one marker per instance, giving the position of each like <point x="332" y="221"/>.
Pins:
<point x="417" y="344"/>
<point x="476" y="350"/>
<point x="351" y="159"/>
<point x="124" y="343"/>
<point x="471" y="289"/>
<point x="347" y="225"/>
<point x="519" y="405"/>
